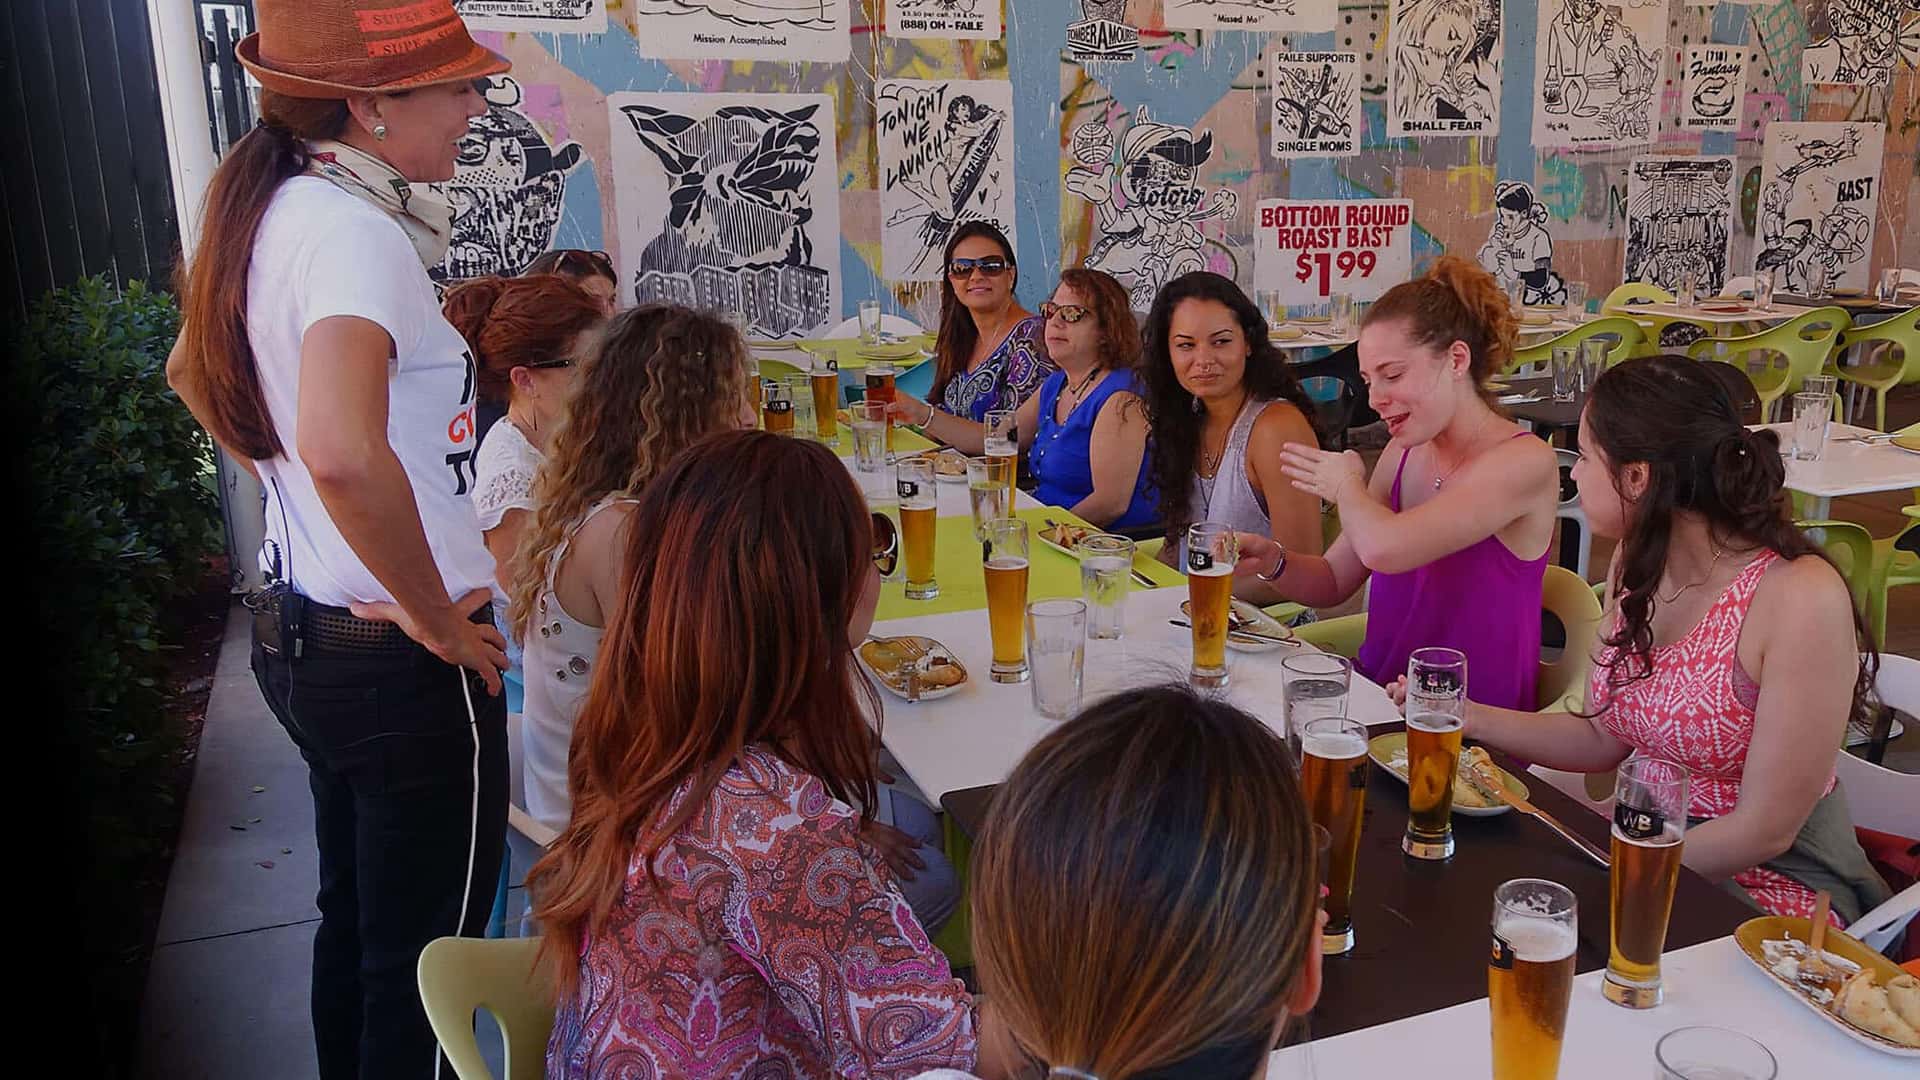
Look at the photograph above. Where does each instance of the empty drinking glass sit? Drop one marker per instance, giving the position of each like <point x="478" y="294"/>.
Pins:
<point x="869" y="321"/>
<point x="1270" y="306"/>
<point x="1341" y="308"/>
<point x="1593" y="363"/>
<point x="1888" y="289"/>
<point x="1106" y="569"/>
<point x="800" y="392"/>
<point x="1056" y="655"/>
<point x="1763" y="290"/>
<point x="1687" y="291"/>
<point x="1576" y="300"/>
<point x="1313" y="686"/>
<point x="1711" y="1053"/>
<point x="1566" y="373"/>
<point x="869" y="435"/>
<point x="1812" y="411"/>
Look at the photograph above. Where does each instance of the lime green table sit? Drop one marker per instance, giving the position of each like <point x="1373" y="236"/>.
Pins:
<point x="905" y="439"/>
<point x="956" y="568"/>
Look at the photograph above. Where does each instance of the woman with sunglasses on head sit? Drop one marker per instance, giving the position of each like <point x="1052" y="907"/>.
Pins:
<point x="989" y="353"/>
<point x="591" y="270"/>
<point x="713" y="907"/>
<point x="1221" y="402"/>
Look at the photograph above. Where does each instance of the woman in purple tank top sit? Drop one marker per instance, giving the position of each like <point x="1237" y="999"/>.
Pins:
<point x="1455" y="525"/>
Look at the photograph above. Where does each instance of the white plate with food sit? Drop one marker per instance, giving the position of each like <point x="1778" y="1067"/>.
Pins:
<point x="1866" y="996"/>
<point x="1249" y="629"/>
<point x="897" y="661"/>
<point x="1470" y="795"/>
<point x="949" y="466"/>
<point x="1064" y="536"/>
<point x="1286" y="332"/>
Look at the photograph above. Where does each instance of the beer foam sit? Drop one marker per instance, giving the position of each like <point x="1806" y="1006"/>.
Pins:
<point x="1336" y="747"/>
<point x="1216" y="570"/>
<point x="1439" y="723"/>
<point x="1006" y="562"/>
<point x="1537" y="941"/>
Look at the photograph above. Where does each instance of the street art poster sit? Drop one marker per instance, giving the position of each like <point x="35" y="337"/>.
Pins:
<point x="544" y="16"/>
<point x="1711" y="92"/>
<point x="814" y="30"/>
<point x="968" y="19"/>
<point x="1680" y="221"/>
<point x="1597" y="67"/>
<point x="1443" y="68"/>
<point x="1819" y="190"/>
<point x="731" y="203"/>
<point x="1148" y="200"/>
<point x="509" y="183"/>
<point x="946" y="156"/>
<point x="1313" y="16"/>
<point x="1519" y="249"/>
<point x="1102" y="33"/>
<point x="1862" y="45"/>
<point x="1316" y="104"/>
<point x="1308" y="249"/>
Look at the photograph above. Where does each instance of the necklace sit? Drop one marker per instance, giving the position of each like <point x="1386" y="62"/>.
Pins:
<point x="1448" y="475"/>
<point x="1079" y="392"/>
<point x="1718" y="554"/>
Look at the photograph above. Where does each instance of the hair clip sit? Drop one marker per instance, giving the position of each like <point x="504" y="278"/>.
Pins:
<point x="1076" y="1074"/>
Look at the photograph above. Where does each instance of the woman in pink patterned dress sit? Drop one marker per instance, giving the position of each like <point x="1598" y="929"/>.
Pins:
<point x="1733" y="647"/>
<point x="713" y="908"/>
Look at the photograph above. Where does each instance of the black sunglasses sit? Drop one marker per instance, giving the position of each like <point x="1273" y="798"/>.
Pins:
<point x="1069" y="313"/>
<point x="992" y="266"/>
<point x="595" y="262"/>
<point x="886" y="544"/>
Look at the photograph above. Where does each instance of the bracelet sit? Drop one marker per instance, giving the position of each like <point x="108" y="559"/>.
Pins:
<point x="928" y="422"/>
<point x="1278" y="569"/>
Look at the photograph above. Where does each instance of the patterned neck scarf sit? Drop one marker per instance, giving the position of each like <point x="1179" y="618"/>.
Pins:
<point x="424" y="213"/>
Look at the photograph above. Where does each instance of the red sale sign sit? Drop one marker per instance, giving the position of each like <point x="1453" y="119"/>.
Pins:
<point x="1308" y="249"/>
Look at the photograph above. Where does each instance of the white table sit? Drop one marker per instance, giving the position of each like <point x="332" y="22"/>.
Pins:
<point x="1711" y="984"/>
<point x="977" y="735"/>
<point x="1314" y="336"/>
<point x="1848" y="468"/>
<point x="1720" y="322"/>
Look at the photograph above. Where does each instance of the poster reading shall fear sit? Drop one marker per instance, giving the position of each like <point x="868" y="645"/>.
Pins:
<point x="1309" y="249"/>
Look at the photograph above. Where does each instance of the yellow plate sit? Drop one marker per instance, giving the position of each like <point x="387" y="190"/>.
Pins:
<point x="1907" y="442"/>
<point x="1247" y="616"/>
<point x="1535" y="318"/>
<point x="1776" y="928"/>
<point x="1286" y="332"/>
<point x="1311" y="320"/>
<point x="887" y="351"/>
<point x="1383" y="749"/>
<point x="884" y="665"/>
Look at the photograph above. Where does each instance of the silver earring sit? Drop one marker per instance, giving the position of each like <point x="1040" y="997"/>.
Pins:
<point x="380" y="132"/>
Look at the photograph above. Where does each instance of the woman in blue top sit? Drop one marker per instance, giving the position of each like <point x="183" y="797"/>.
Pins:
<point x="1085" y="431"/>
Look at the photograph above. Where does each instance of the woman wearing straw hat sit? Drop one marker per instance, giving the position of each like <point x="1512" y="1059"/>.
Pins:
<point x="314" y="351"/>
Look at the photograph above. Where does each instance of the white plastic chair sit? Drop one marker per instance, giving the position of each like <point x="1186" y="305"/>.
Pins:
<point x="1909" y="277"/>
<point x="1877" y="928"/>
<point x="889" y="324"/>
<point x="1569" y="509"/>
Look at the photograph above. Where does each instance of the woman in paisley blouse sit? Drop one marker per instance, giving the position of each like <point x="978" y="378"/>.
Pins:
<point x="991" y="353"/>
<point x="1733" y="647"/>
<point x="713" y="908"/>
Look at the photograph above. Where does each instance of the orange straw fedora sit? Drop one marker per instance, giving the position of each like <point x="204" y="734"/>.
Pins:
<point x="332" y="48"/>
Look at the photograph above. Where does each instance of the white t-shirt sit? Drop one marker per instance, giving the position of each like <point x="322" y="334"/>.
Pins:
<point x="503" y="478"/>
<point x="321" y="252"/>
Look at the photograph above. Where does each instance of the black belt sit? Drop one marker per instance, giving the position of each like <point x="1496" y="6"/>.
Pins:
<point x="338" y="629"/>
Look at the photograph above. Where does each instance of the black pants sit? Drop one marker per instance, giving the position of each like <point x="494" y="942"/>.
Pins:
<point x="410" y="809"/>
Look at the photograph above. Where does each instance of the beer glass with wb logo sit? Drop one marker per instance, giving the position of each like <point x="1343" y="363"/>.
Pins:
<point x="1212" y="550"/>
<point x="1649" y="826"/>
<point x="918" y="507"/>
<point x="1436" y="716"/>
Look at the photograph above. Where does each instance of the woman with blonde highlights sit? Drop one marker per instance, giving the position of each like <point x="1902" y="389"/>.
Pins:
<point x="1145" y="896"/>
<point x="714" y="876"/>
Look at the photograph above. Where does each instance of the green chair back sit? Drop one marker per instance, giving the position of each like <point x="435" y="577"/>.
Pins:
<point x="1803" y="343"/>
<point x="1620" y="302"/>
<point x="1625" y="333"/>
<point x="1632" y="291"/>
<point x="1341" y="635"/>
<point x="771" y="368"/>
<point x="1895" y="360"/>
<point x="460" y="975"/>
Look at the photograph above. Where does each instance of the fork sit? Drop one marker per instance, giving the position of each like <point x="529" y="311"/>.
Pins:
<point x="916" y="657"/>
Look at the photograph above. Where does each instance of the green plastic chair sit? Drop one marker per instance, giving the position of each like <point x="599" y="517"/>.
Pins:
<point x="1803" y="342"/>
<point x="956" y="938"/>
<point x="1622" y="301"/>
<point x="1894" y="363"/>
<point x="1872" y="567"/>
<point x="771" y="368"/>
<point x="460" y="975"/>
<point x="1626" y="333"/>
<point x="1340" y="636"/>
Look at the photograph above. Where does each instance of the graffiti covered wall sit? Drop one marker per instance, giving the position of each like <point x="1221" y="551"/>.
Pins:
<point x="1147" y="149"/>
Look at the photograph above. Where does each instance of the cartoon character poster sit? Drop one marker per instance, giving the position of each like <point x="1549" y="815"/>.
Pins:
<point x="1863" y="43"/>
<point x="953" y="19"/>
<point x="1819" y="191"/>
<point x="1711" y="92"/>
<point x="1148" y="199"/>
<point x="544" y="16"/>
<point x="1519" y="249"/>
<point x="1443" y="68"/>
<point x="1597" y="66"/>
<point x="509" y="183"/>
<point x="790" y="30"/>
<point x="1316" y="105"/>
<point x="730" y="202"/>
<point x="946" y="156"/>
<point x="1680" y="221"/>
<point x="1313" y="16"/>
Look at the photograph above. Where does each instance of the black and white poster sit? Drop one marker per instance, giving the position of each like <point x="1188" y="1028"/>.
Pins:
<point x="1316" y="104"/>
<point x="1819" y="190"/>
<point x="1443" y="68"/>
<point x="812" y="30"/>
<point x="1597" y="66"/>
<point x="1519" y="248"/>
<point x="1680" y="221"/>
<point x="1142" y="178"/>
<point x="543" y="16"/>
<point x="509" y="182"/>
<point x="953" y="19"/>
<point x="730" y="202"/>
<point x="946" y="156"/>
<point x="1861" y="45"/>
<point x="1102" y="33"/>
<point x="1715" y="84"/>
<point x="1312" y="16"/>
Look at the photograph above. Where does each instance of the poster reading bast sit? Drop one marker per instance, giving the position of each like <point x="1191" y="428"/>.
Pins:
<point x="1309" y="249"/>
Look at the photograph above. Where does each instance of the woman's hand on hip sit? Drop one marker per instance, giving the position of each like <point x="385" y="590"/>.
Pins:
<point x="451" y="634"/>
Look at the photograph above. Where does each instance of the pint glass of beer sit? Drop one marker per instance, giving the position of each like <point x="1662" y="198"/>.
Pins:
<point x="776" y="410"/>
<point x="1002" y="443"/>
<point x="880" y="388"/>
<point x="1436" y="715"/>
<point x="825" y="380"/>
<point x="1333" y="775"/>
<point x="1530" y="976"/>
<point x="1649" y="824"/>
<point x="1003" y="551"/>
<point x="917" y="509"/>
<point x="1212" y="549"/>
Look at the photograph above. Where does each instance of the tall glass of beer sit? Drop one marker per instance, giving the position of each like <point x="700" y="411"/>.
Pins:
<point x="1436" y="715"/>
<point x="777" y="408"/>
<point x="1530" y="976"/>
<point x="989" y="491"/>
<point x="1212" y="549"/>
<point x="880" y="388"/>
<point x="917" y="510"/>
<point x="825" y="378"/>
<point x="1649" y="825"/>
<point x="1333" y="774"/>
<point x="1002" y="443"/>
<point x="1003" y="551"/>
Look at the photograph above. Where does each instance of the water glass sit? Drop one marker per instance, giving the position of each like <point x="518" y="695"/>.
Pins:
<point x="1341" y="308"/>
<point x="1763" y="290"/>
<point x="1516" y="295"/>
<point x="1686" y="291"/>
<point x="1056" y="655"/>
<point x="869" y="321"/>
<point x="1593" y="363"/>
<point x="800" y="392"/>
<point x="881" y="491"/>
<point x="1000" y="439"/>
<point x="1313" y="686"/>
<point x="1812" y="411"/>
<point x="1576" y="301"/>
<point x="1106" y="570"/>
<point x="1270" y="306"/>
<point x="1711" y="1053"/>
<point x="989" y="491"/>
<point x="869" y="435"/>
<point x="1566" y="373"/>
<point x="1888" y="289"/>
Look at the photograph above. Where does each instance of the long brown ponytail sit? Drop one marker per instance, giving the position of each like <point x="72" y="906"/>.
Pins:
<point x="213" y="287"/>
